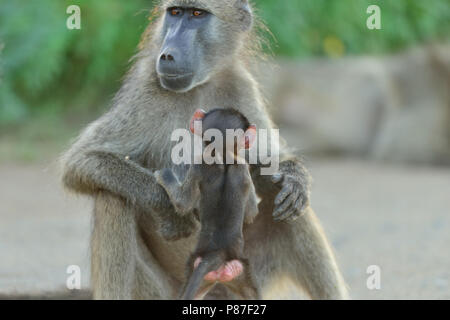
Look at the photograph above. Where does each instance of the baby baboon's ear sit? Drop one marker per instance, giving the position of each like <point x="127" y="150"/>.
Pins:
<point x="199" y="114"/>
<point x="250" y="136"/>
<point x="245" y="17"/>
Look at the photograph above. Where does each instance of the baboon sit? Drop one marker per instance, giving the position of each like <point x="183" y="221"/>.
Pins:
<point x="194" y="54"/>
<point x="227" y="197"/>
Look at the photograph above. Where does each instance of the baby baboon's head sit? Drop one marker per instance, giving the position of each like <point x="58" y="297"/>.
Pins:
<point x="235" y="130"/>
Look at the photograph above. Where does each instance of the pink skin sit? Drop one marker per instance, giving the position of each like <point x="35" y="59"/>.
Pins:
<point x="225" y="273"/>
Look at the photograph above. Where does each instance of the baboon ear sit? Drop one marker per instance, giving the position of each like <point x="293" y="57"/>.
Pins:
<point x="250" y="136"/>
<point x="199" y="114"/>
<point x="244" y="14"/>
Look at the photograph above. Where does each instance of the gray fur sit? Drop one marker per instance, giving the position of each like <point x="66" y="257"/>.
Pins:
<point x="114" y="158"/>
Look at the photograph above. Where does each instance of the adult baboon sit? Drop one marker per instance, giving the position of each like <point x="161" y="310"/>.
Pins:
<point x="194" y="55"/>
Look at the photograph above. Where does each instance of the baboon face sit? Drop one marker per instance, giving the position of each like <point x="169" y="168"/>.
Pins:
<point x="199" y="38"/>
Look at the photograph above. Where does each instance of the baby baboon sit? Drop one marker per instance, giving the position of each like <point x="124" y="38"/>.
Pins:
<point x="227" y="197"/>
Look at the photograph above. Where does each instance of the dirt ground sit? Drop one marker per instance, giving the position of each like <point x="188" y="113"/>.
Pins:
<point x="394" y="217"/>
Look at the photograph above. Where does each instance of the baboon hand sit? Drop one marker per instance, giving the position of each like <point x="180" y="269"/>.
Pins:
<point x="175" y="227"/>
<point x="293" y="198"/>
<point x="174" y="189"/>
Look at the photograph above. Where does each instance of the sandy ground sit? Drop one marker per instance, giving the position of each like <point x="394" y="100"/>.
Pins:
<point x="394" y="217"/>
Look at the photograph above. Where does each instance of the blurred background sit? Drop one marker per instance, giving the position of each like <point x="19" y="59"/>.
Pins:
<point x="369" y="110"/>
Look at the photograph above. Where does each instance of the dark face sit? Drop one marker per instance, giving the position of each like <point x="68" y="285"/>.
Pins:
<point x="180" y="65"/>
<point x="196" y="43"/>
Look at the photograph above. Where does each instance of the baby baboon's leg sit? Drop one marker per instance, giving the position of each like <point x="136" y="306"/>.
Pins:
<point x="115" y="261"/>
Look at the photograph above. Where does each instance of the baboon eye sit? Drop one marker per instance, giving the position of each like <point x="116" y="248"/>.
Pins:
<point x="175" y="11"/>
<point x="198" y="13"/>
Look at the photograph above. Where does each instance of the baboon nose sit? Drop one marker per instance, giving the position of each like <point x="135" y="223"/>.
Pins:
<point x="168" y="56"/>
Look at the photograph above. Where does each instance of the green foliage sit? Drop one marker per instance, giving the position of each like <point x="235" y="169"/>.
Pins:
<point x="48" y="69"/>
<point x="303" y="26"/>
